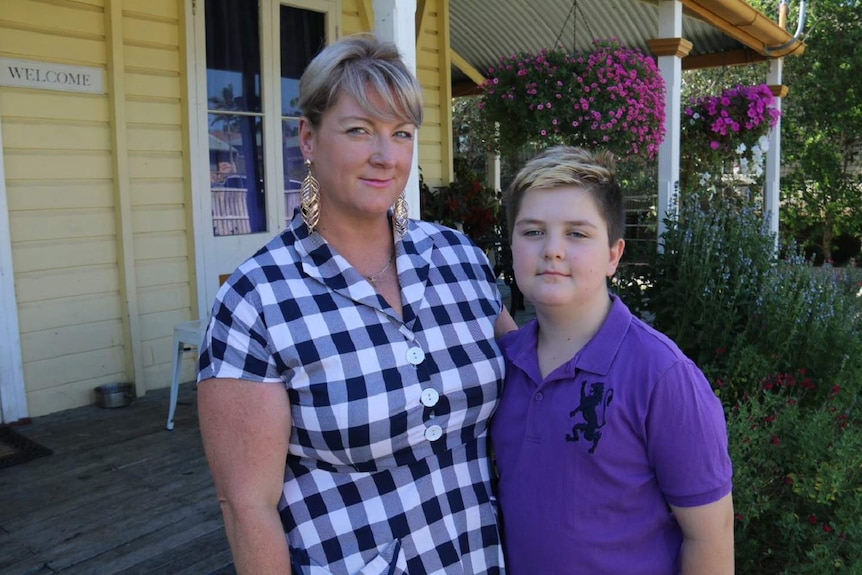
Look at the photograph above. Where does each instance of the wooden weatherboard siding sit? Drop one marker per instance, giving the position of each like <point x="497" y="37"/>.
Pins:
<point x="60" y="187"/>
<point x="98" y="200"/>
<point x="432" y="69"/>
<point x="160" y="206"/>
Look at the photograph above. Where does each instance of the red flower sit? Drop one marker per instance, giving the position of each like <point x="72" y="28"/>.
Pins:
<point x="739" y="516"/>
<point x="812" y="519"/>
<point x="827" y="528"/>
<point x="788" y="480"/>
<point x="776" y="440"/>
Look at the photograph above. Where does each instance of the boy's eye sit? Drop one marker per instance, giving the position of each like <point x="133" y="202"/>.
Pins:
<point x="529" y="233"/>
<point x="577" y="234"/>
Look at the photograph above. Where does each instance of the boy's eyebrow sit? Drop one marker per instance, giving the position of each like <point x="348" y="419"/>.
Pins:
<point x="576" y="223"/>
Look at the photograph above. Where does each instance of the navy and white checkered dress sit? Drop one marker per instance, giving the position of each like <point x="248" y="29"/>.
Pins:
<point x="387" y="471"/>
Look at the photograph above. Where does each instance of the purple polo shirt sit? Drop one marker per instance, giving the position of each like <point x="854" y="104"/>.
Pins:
<point x="591" y="456"/>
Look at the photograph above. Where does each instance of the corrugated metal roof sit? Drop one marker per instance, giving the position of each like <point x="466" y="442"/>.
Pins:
<point x="484" y="30"/>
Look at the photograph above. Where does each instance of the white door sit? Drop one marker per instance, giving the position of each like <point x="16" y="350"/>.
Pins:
<point x="249" y="60"/>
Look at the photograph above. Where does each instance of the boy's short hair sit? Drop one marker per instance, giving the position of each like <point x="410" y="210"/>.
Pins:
<point x="562" y="166"/>
<point x="361" y="65"/>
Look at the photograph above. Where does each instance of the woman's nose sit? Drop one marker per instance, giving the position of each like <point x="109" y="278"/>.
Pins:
<point x="383" y="154"/>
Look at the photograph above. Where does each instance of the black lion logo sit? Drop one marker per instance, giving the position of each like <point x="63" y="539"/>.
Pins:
<point x="589" y="410"/>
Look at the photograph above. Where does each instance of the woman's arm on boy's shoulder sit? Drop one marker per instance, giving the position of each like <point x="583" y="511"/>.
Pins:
<point x="707" y="547"/>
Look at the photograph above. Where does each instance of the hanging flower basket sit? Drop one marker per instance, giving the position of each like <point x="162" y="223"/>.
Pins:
<point x="726" y="135"/>
<point x="611" y="97"/>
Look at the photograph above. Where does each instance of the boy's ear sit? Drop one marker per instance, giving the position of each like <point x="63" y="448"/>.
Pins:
<point x="616" y="252"/>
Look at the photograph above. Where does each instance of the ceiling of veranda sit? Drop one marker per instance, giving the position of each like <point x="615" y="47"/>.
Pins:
<point x="484" y="30"/>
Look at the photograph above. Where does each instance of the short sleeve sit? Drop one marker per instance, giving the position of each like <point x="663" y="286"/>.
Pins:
<point x="687" y="438"/>
<point x="236" y="344"/>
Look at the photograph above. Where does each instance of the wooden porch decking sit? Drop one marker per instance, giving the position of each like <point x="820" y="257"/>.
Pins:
<point x="120" y="494"/>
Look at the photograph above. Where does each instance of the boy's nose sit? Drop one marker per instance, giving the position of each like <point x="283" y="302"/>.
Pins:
<point x="554" y="248"/>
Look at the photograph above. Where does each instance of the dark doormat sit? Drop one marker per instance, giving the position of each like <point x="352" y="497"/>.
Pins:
<point x="15" y="448"/>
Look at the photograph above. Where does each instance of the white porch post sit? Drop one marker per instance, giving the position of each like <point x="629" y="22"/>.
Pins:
<point x="772" y="174"/>
<point x="492" y="175"/>
<point x="13" y="395"/>
<point x="395" y="20"/>
<point x="670" y="48"/>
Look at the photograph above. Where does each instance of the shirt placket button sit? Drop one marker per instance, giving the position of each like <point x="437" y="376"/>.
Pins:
<point x="415" y="356"/>
<point x="433" y="433"/>
<point x="429" y="397"/>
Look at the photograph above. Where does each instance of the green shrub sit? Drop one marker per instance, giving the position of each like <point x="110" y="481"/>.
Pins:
<point x="797" y="477"/>
<point x="781" y="342"/>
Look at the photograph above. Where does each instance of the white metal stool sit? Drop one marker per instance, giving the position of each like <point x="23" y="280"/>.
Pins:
<point x="186" y="333"/>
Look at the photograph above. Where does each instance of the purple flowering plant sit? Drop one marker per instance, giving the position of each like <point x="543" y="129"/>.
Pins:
<point x="610" y="96"/>
<point x="726" y="135"/>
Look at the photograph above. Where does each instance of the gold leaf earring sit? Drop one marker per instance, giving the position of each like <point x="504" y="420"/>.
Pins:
<point x="310" y="199"/>
<point x="400" y="215"/>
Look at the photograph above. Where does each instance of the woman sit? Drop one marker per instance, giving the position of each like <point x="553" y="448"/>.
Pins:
<point x="371" y="454"/>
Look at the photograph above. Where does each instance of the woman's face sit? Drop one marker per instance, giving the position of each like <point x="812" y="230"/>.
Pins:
<point x="361" y="162"/>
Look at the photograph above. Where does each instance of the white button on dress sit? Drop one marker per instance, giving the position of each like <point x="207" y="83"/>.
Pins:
<point x="434" y="433"/>
<point x="415" y="355"/>
<point x="429" y="397"/>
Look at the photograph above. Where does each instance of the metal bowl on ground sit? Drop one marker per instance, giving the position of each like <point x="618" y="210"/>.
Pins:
<point x="114" y="395"/>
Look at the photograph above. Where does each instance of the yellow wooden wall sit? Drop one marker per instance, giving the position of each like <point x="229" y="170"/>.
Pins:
<point x="433" y="70"/>
<point x="159" y="188"/>
<point x="97" y="200"/>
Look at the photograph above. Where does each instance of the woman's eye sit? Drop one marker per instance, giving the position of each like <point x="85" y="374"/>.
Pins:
<point x="357" y="130"/>
<point x="404" y="134"/>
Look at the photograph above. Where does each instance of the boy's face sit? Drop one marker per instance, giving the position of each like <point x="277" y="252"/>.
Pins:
<point x="560" y="249"/>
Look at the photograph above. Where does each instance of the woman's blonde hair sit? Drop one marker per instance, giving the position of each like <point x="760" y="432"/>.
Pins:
<point x="361" y="66"/>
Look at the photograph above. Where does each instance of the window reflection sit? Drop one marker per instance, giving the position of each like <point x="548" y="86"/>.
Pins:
<point x="294" y="168"/>
<point x="235" y="119"/>
<point x="302" y="35"/>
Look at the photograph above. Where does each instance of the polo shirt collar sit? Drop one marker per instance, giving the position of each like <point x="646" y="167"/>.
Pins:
<point x="595" y="357"/>
<point x="599" y="353"/>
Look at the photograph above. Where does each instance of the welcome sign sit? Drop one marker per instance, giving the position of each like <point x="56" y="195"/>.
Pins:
<point x="50" y="76"/>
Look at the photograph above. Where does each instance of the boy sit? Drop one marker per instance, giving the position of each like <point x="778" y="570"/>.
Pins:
<point x="610" y="444"/>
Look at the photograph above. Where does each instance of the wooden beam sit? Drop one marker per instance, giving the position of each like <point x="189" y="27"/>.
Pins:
<point x="743" y="23"/>
<point x="447" y="152"/>
<point x="421" y="14"/>
<point x="465" y="88"/>
<point x="459" y="62"/>
<point x="731" y="58"/>
<point x="679" y="47"/>
<point x="365" y="15"/>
